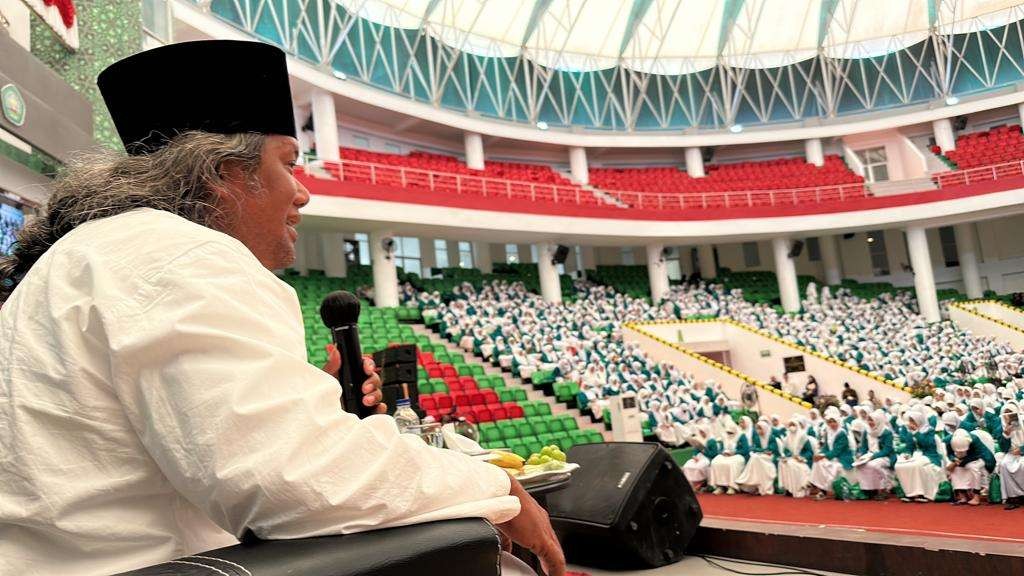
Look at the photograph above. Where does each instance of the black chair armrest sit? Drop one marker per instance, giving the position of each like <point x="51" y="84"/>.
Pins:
<point x="467" y="546"/>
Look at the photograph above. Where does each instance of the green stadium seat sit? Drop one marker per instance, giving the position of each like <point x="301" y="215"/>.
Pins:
<point x="518" y="395"/>
<point x="477" y="370"/>
<point x="525" y="429"/>
<point x="569" y="424"/>
<point x="529" y="409"/>
<point x="543" y="408"/>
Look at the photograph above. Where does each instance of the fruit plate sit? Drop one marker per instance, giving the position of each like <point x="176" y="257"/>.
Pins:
<point x="542" y="475"/>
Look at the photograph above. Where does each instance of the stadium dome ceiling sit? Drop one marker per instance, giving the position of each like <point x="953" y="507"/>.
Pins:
<point x="652" y="64"/>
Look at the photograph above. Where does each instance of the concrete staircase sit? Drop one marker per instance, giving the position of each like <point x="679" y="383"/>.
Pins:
<point x="601" y="195"/>
<point x="895" y="187"/>
<point x="557" y="408"/>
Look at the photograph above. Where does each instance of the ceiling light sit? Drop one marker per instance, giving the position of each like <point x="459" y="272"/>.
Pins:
<point x="870" y="239"/>
<point x="736" y="128"/>
<point x="542" y="125"/>
<point x="952" y="100"/>
<point x="340" y="75"/>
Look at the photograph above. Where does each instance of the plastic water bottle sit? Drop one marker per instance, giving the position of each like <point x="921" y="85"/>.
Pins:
<point x="405" y="417"/>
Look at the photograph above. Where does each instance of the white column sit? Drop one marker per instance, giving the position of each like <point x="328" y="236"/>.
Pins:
<point x="785" y="272"/>
<point x="589" y="257"/>
<point x="813" y="152"/>
<point x="706" y="261"/>
<point x="332" y="246"/>
<point x="301" y="254"/>
<point x="550" y="288"/>
<point x="474" y="150"/>
<point x="924" y="279"/>
<point x="578" y="165"/>
<point x="482" y="257"/>
<point x="1020" y="113"/>
<point x="657" y="272"/>
<point x="830" y="258"/>
<point x="325" y="125"/>
<point x="385" y="276"/>
<point x="944" y="137"/>
<point x="694" y="163"/>
<point x="967" y="254"/>
<point x="428" y="256"/>
<point x="301" y="114"/>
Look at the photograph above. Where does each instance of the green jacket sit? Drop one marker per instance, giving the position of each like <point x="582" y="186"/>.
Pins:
<point x="977" y="451"/>
<point x="840" y="450"/>
<point x="885" y="447"/>
<point x="925" y="442"/>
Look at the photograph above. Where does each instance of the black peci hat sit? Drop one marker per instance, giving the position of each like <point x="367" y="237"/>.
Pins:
<point x="219" y="86"/>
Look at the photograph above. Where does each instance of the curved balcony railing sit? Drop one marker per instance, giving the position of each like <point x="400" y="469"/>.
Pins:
<point x="739" y="199"/>
<point x="500" y="188"/>
<point x="979" y="174"/>
<point x="452" y="183"/>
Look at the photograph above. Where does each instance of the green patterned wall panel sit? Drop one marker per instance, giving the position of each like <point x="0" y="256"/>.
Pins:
<point x="108" y="30"/>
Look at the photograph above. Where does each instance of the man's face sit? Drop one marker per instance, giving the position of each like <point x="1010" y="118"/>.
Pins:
<point x="264" y="219"/>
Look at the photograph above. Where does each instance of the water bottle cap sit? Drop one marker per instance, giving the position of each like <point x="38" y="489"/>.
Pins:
<point x="403" y="402"/>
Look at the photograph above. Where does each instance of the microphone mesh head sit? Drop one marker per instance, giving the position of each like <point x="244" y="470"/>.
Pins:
<point x="339" y="308"/>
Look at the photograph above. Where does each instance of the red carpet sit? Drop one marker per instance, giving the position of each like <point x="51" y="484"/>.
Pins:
<point x="985" y="522"/>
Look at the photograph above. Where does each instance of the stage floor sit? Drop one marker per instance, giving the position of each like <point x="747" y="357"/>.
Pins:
<point x="984" y="529"/>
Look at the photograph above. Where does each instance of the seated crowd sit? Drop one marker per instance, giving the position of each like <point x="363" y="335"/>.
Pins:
<point x="968" y="429"/>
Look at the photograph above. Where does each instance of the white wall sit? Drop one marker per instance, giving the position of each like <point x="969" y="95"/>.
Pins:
<point x="904" y="160"/>
<point x="19" y="18"/>
<point x="993" y="325"/>
<point x="747" y="348"/>
<point x="702" y="368"/>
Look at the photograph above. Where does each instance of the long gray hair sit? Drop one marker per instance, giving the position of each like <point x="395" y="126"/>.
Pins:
<point x="183" y="178"/>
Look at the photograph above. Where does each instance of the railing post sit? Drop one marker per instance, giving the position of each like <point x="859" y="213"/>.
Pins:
<point x="430" y="181"/>
<point x="726" y="199"/>
<point x="817" y="195"/>
<point x="341" y="171"/>
<point x="793" y="192"/>
<point x="533" y="192"/>
<point x="704" y="199"/>
<point x="373" y="174"/>
<point x="660" y="205"/>
<point x="458" y="185"/>
<point x="403" y="177"/>
<point x="508" y="188"/>
<point x="750" y="202"/>
<point x="577" y="195"/>
<point x="993" y="172"/>
<point x="771" y="198"/>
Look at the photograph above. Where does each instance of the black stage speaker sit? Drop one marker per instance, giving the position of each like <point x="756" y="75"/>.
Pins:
<point x="796" y="249"/>
<point x="561" y="253"/>
<point x="403" y="354"/>
<point x="627" y="507"/>
<point x="393" y="392"/>
<point x="398" y="374"/>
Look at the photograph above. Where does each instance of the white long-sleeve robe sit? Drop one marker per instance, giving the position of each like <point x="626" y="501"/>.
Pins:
<point x="156" y="401"/>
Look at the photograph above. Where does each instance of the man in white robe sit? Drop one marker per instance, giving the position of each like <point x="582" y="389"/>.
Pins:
<point x="158" y="398"/>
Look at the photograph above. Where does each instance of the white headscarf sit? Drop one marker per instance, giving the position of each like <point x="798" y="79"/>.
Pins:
<point x="795" y="440"/>
<point x="879" y="424"/>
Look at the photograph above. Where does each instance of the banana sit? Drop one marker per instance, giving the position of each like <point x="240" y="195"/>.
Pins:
<point x="507" y="460"/>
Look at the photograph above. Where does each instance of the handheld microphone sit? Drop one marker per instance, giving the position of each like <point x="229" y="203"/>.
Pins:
<point x="340" y="312"/>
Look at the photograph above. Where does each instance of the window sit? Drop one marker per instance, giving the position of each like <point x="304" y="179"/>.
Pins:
<point x="392" y="148"/>
<point x="813" y="249"/>
<point x="879" y="256"/>
<point x="534" y="253"/>
<point x="155" y="21"/>
<point x="364" y="249"/>
<point x="407" y="255"/>
<point x="441" y="253"/>
<point x="948" y="240"/>
<point x="876" y="166"/>
<point x="675" y="271"/>
<point x="628" y="259"/>
<point x="512" y="253"/>
<point x="361" y="142"/>
<point x="751" y="255"/>
<point x="465" y="255"/>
